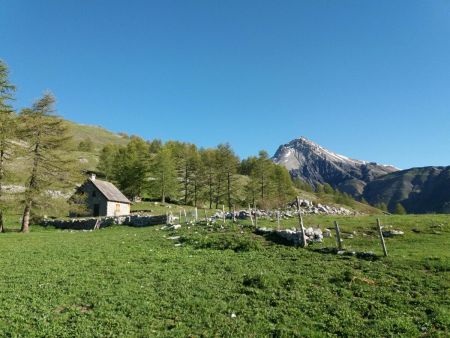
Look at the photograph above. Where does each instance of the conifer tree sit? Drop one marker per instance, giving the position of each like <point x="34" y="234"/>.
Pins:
<point x="46" y="137"/>
<point x="7" y="128"/>
<point x="399" y="209"/>
<point x="164" y="175"/>
<point x="207" y="174"/>
<point x="131" y="167"/>
<point x="226" y="166"/>
<point x="283" y="185"/>
<point x="107" y="160"/>
<point x="261" y="173"/>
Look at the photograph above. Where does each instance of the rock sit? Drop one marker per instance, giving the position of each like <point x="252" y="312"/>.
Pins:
<point x="393" y="233"/>
<point x="327" y="233"/>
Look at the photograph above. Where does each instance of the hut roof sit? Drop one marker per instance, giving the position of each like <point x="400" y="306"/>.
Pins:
<point x="110" y="191"/>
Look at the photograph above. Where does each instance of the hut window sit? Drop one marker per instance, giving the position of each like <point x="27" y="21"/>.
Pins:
<point x="117" y="207"/>
<point x="94" y="193"/>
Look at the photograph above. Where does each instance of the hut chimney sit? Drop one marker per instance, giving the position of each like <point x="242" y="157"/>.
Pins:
<point x="93" y="177"/>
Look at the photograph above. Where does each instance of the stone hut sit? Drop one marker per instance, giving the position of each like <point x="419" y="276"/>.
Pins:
<point x="104" y="199"/>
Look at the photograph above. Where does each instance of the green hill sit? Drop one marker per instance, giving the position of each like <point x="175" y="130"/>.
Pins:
<point x="98" y="135"/>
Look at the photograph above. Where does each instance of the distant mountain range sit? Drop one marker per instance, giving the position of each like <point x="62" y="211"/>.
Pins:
<point x="419" y="190"/>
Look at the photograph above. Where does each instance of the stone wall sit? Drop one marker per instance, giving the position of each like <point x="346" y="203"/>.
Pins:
<point x="102" y="222"/>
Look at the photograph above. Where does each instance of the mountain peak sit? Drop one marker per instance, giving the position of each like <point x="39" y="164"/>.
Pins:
<point x="315" y="164"/>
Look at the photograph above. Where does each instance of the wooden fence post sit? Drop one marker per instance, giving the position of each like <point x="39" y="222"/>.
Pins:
<point x="206" y="218"/>
<point x="251" y="216"/>
<point x="381" y="237"/>
<point x="223" y="214"/>
<point x="302" y="228"/>
<point x="185" y="216"/>
<point x="278" y="219"/>
<point x="196" y="215"/>
<point x="234" y="214"/>
<point x="256" y="216"/>
<point x="338" y="235"/>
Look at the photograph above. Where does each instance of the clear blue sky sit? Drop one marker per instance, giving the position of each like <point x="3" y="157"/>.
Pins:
<point x="368" y="79"/>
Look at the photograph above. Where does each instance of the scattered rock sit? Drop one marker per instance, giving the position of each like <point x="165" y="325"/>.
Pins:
<point x="393" y="233"/>
<point x="294" y="235"/>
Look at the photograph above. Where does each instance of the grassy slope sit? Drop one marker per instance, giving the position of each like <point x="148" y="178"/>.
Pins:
<point x="136" y="282"/>
<point x="19" y="169"/>
<point x="98" y="135"/>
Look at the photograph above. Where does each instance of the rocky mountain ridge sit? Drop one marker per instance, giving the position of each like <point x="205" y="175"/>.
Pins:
<point x="419" y="190"/>
<point x="315" y="164"/>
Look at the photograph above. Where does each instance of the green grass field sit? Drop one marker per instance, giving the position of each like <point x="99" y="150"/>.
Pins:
<point x="123" y="281"/>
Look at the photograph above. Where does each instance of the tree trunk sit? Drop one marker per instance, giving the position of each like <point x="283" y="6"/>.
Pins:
<point x="195" y="193"/>
<point x="262" y="186"/>
<point x="26" y="218"/>
<point x="229" y="190"/>
<point x="210" y="191"/>
<point x="218" y="194"/>
<point x="185" y="184"/>
<point x="163" y="189"/>
<point x="31" y="189"/>
<point x="2" y="229"/>
<point x="2" y="155"/>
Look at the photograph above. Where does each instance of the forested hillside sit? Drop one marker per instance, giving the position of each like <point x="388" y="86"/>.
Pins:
<point x="181" y="172"/>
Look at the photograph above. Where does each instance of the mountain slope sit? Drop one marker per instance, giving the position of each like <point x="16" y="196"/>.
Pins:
<point x="419" y="190"/>
<point x="98" y="135"/>
<point x="315" y="164"/>
<point x="88" y="159"/>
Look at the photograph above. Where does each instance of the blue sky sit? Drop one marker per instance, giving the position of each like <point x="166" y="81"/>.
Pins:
<point x="368" y="79"/>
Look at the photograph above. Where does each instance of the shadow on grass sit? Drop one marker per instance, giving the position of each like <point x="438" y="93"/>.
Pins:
<point x="8" y="230"/>
<point x="275" y="239"/>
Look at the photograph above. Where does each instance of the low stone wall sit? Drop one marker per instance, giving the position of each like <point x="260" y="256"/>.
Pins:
<point x="103" y="222"/>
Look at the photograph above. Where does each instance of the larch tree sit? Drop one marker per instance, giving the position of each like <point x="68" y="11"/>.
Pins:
<point x="107" y="160"/>
<point x="207" y="173"/>
<point x="399" y="209"/>
<point x="131" y="167"/>
<point x="283" y="185"/>
<point x="164" y="176"/>
<point x="227" y="164"/>
<point x="197" y="181"/>
<point x="7" y="129"/>
<point x="46" y="136"/>
<point x="261" y="174"/>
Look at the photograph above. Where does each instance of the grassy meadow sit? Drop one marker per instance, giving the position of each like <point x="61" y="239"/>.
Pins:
<point x="226" y="281"/>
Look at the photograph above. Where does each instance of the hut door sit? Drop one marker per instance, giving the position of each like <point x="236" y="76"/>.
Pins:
<point x="96" y="210"/>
